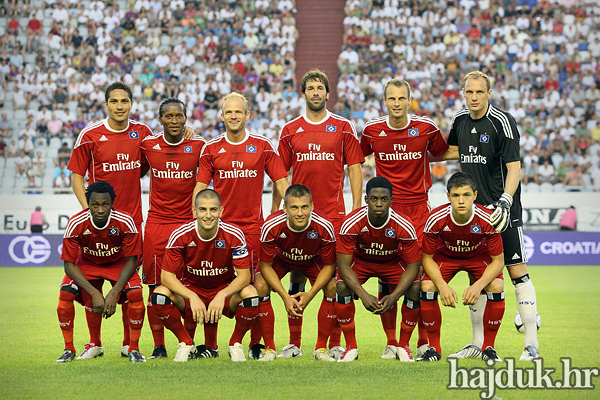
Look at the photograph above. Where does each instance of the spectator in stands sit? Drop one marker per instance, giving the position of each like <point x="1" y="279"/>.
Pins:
<point x="26" y="136"/>
<point x="60" y="99"/>
<point x="32" y="187"/>
<point x="12" y="150"/>
<point x="5" y="127"/>
<point x="574" y="180"/>
<point x="438" y="172"/>
<point x="545" y="173"/>
<point x="55" y="126"/>
<point x="22" y="163"/>
<point x="62" y="182"/>
<point x="38" y="166"/>
<point x="595" y="175"/>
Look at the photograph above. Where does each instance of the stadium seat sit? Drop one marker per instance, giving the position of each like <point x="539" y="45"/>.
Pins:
<point x="587" y="179"/>
<point x="20" y="114"/>
<point x="533" y="187"/>
<point x="55" y="143"/>
<point x="556" y="159"/>
<point x="546" y="187"/>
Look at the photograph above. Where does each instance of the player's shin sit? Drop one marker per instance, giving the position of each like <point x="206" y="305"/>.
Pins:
<point x="326" y="319"/>
<point x="171" y="317"/>
<point x="527" y="306"/>
<point x="94" y="322"/>
<point x="411" y="310"/>
<point x="432" y="318"/>
<point x="136" y="317"/>
<point x="295" y="323"/>
<point x="492" y="317"/>
<point x="266" y="321"/>
<point x="345" y="310"/>
<point x="125" y="319"/>
<point x="66" y="317"/>
<point x="476" y="314"/>
<point x="388" y="320"/>
<point x="245" y="315"/>
<point x="156" y="325"/>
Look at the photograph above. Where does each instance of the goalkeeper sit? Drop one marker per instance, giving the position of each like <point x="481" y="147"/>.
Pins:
<point x="486" y="141"/>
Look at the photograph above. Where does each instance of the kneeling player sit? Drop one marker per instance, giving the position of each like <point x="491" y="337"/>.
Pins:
<point x="303" y="240"/>
<point x="99" y="244"/>
<point x="198" y="278"/>
<point x="459" y="237"/>
<point x="375" y="241"/>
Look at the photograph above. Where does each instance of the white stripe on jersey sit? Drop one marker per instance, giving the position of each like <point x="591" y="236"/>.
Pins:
<point x="425" y="120"/>
<point x="508" y="132"/>
<point x="126" y="219"/>
<point x="483" y="215"/>
<point x="351" y="221"/>
<point x="340" y="118"/>
<point x="435" y="217"/>
<point x="264" y="139"/>
<point x="404" y="223"/>
<point x="235" y="231"/>
<point x="183" y="229"/>
<point x="458" y="114"/>
<point x="153" y="136"/>
<point x="93" y="125"/>
<point x="267" y="226"/>
<point x="375" y="121"/>
<point x="324" y="223"/>
<point x="74" y="222"/>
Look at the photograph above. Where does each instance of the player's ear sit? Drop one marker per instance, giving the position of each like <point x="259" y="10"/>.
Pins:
<point x="194" y="212"/>
<point x="448" y="195"/>
<point x="221" y="211"/>
<point x="474" y="195"/>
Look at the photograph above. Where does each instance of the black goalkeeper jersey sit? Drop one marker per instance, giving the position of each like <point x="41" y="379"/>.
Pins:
<point x="485" y="146"/>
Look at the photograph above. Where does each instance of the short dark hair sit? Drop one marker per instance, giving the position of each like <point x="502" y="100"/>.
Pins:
<point x="207" y="194"/>
<point x="100" y="187"/>
<point x="379" y="182"/>
<point x="459" y="179"/>
<point x="115" y="86"/>
<point x="315" y="75"/>
<point x="169" y="101"/>
<point x="297" y="190"/>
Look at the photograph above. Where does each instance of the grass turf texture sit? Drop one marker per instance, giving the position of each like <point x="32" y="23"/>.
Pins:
<point x="30" y="342"/>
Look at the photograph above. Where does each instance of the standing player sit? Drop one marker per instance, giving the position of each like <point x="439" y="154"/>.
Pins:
<point x="173" y="164"/>
<point x="206" y="274"/>
<point x="299" y="238"/>
<point x="400" y="143"/>
<point x="316" y="146"/>
<point x="103" y="243"/>
<point x="236" y="162"/>
<point x="486" y="141"/>
<point x="375" y="241"/>
<point x="459" y="237"/>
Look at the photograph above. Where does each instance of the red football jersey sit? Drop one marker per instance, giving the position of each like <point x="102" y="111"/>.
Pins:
<point x="100" y="246"/>
<point x="206" y="263"/>
<point x="474" y="240"/>
<point x="114" y="157"/>
<point x="316" y="152"/>
<point x="396" y="238"/>
<point x="237" y="171"/>
<point x="401" y="154"/>
<point x="297" y="247"/>
<point x="172" y="177"/>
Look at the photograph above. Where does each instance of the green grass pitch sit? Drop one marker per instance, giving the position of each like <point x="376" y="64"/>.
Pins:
<point x="30" y="342"/>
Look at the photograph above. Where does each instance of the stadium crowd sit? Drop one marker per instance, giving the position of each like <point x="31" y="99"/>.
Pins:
<point x="56" y="57"/>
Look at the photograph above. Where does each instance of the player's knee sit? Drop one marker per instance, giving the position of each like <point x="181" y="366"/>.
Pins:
<point x="330" y="289"/>
<point x="261" y="286"/>
<point x="297" y="277"/>
<point x="67" y="296"/>
<point x="248" y="291"/>
<point x="495" y="286"/>
<point x="428" y="286"/>
<point x="135" y="295"/>
<point x="342" y="289"/>
<point x="161" y="290"/>
<point x="517" y="271"/>
<point x="413" y="291"/>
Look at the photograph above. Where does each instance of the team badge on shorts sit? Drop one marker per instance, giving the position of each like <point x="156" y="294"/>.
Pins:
<point x="313" y="235"/>
<point x="413" y="132"/>
<point x="134" y="135"/>
<point x="220" y="244"/>
<point x="187" y="149"/>
<point x="390" y="233"/>
<point x="475" y="229"/>
<point x="485" y="138"/>
<point x="331" y="128"/>
<point x="113" y="231"/>
<point x="250" y="148"/>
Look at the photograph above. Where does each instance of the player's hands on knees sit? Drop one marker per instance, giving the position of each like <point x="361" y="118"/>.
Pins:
<point x="303" y="299"/>
<point x="471" y="295"/>
<point x="198" y="309"/>
<point x="371" y="303"/>
<point x="98" y="302"/>
<point x="292" y="306"/>
<point x="110" y="304"/>
<point x="215" y="309"/>
<point x="448" y="297"/>
<point x="387" y="302"/>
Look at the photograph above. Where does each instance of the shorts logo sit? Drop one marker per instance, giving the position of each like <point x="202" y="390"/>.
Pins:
<point x="36" y="249"/>
<point x="134" y="135"/>
<point x="475" y="229"/>
<point x="220" y="244"/>
<point x="187" y="149"/>
<point x="312" y="235"/>
<point x="113" y="231"/>
<point x="250" y="148"/>
<point x="390" y="233"/>
<point x="413" y="132"/>
<point x="331" y="128"/>
<point x="484" y="138"/>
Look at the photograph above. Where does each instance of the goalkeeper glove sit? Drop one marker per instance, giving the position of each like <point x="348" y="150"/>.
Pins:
<point x="500" y="217"/>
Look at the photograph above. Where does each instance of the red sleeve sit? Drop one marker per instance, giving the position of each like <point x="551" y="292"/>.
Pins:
<point x="352" y="152"/>
<point x="429" y="243"/>
<point x="495" y="244"/>
<point x="274" y="165"/>
<point x="328" y="252"/>
<point x="206" y="168"/>
<point x="132" y="243"/>
<point x="81" y="157"/>
<point x="241" y="259"/>
<point x="365" y="144"/>
<point x="346" y="243"/>
<point x="70" y="249"/>
<point x="173" y="260"/>
<point x="437" y="145"/>
<point x="284" y="149"/>
<point x="267" y="248"/>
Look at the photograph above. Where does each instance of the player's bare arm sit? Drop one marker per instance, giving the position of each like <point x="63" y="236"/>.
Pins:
<point x="406" y="281"/>
<point x="281" y="185"/>
<point x="78" y="185"/>
<point x="356" y="176"/>
<point x="75" y="273"/>
<point x="277" y="196"/>
<point x="110" y="301"/>
<point x="450" y="154"/>
<point x="292" y="305"/>
<point x="349" y="277"/>
<point x="199" y="186"/>
<point x="170" y="281"/>
<point x="322" y="280"/>
<point x="513" y="177"/>
<point x="447" y="294"/>
<point x="471" y="294"/>
<point x="215" y="308"/>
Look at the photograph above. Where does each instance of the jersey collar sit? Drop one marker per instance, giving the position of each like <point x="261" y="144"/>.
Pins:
<point x="327" y="115"/>
<point x="107" y="221"/>
<point x="287" y="222"/>
<point x="238" y="143"/>
<point x="105" y="122"/>
<point x="384" y="224"/>
<point x="212" y="238"/>
<point x="387" y="122"/>
<point x="162" y="135"/>
<point x="470" y="219"/>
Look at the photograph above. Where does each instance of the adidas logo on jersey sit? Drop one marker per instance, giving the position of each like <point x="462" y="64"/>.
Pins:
<point x="192" y="244"/>
<point x="516" y="257"/>
<point x="446" y="229"/>
<point x="87" y="232"/>
<point x="473" y="130"/>
<point x="222" y="151"/>
<point x="283" y="235"/>
<point x="103" y="138"/>
<point x="157" y="147"/>
<point x="364" y="229"/>
<point x="300" y="130"/>
<point x="382" y="133"/>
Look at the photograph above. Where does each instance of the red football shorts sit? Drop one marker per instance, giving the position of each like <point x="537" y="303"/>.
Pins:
<point x="110" y="273"/>
<point x="155" y="241"/>
<point x="418" y="214"/>
<point x="207" y="295"/>
<point x="449" y="268"/>
<point x="389" y="272"/>
<point x="310" y="270"/>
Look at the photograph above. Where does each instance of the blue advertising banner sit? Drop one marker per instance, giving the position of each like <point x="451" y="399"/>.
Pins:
<point x="542" y="248"/>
